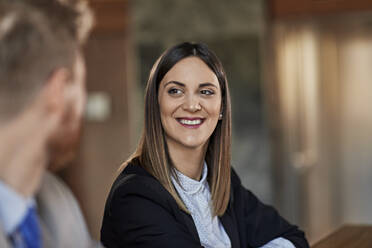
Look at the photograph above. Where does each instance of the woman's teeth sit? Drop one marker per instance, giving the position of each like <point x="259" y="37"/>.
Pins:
<point x="190" y="122"/>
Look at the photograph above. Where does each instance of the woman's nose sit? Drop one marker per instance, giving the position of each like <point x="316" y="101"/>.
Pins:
<point x="191" y="103"/>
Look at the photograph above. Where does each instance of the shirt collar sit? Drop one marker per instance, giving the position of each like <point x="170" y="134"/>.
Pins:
<point x="13" y="208"/>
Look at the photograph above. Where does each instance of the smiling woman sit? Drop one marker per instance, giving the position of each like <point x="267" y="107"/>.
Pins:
<point x="178" y="189"/>
<point x="190" y="105"/>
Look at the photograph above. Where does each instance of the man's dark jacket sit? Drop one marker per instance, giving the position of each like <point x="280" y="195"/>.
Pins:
<point x="140" y="212"/>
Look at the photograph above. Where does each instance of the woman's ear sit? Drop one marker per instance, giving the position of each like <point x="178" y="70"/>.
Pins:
<point x="221" y="113"/>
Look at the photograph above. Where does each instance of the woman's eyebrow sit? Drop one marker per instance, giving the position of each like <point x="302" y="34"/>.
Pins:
<point x="207" y="84"/>
<point x="175" y="82"/>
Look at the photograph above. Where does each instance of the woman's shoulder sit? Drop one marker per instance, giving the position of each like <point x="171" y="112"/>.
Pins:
<point x="134" y="180"/>
<point x="235" y="180"/>
<point x="238" y="191"/>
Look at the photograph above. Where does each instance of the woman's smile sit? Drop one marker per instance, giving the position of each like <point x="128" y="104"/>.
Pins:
<point x="190" y="122"/>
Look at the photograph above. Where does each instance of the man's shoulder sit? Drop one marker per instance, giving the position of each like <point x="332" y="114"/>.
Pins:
<point x="60" y="212"/>
<point x="3" y="239"/>
<point x="53" y="191"/>
<point x="52" y="182"/>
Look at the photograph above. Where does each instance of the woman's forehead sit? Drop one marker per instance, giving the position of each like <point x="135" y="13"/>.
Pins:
<point x="191" y="70"/>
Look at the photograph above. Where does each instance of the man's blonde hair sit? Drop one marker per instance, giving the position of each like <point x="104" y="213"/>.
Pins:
<point x="32" y="46"/>
<point x="75" y="15"/>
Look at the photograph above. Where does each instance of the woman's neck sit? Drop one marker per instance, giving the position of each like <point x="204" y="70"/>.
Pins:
<point x="188" y="161"/>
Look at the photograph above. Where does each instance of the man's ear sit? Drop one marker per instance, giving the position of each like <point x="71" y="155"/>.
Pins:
<point x="54" y="90"/>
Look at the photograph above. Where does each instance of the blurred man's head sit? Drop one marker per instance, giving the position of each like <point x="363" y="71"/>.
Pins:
<point x="42" y="70"/>
<point x="73" y="15"/>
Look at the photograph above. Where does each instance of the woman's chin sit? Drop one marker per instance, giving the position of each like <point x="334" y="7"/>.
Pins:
<point x="193" y="144"/>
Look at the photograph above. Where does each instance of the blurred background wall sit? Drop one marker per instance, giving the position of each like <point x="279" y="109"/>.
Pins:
<point x="300" y="79"/>
<point x="318" y="87"/>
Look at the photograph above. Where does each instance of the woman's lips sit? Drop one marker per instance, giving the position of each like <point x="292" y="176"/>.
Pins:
<point x="190" y="122"/>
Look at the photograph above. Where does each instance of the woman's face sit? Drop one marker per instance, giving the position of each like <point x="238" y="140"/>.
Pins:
<point x="190" y="103"/>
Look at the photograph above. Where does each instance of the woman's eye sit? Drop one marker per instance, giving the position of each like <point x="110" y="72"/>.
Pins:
<point x="207" y="92"/>
<point x="174" y="91"/>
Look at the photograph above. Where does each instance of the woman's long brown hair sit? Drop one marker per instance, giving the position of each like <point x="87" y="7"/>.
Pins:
<point x="152" y="150"/>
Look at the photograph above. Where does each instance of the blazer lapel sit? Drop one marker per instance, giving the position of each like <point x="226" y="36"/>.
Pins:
<point x="229" y="223"/>
<point x="190" y="225"/>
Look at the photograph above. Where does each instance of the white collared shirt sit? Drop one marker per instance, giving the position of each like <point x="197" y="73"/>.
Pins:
<point x="197" y="198"/>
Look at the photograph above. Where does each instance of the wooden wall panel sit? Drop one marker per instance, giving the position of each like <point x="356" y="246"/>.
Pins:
<point x="104" y="144"/>
<point x="111" y="15"/>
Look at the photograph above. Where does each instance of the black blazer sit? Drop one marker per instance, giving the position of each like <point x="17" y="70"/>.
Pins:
<point x="140" y="212"/>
